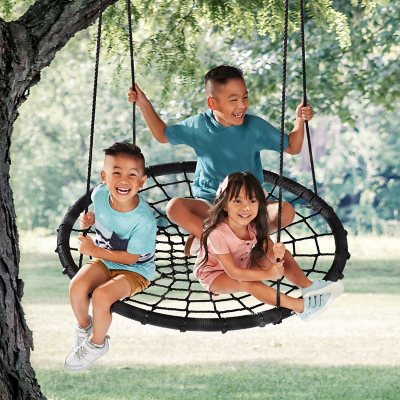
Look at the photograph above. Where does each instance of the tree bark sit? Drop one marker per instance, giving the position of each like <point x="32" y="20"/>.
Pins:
<point x="27" y="45"/>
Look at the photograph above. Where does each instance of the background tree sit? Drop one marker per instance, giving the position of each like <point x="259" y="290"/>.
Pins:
<point x="27" y="46"/>
<point x="349" y="83"/>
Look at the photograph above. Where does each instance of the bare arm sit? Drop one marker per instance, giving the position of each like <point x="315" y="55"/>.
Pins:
<point x="154" y="122"/>
<point x="88" y="247"/>
<point x="271" y="271"/>
<point x="296" y="136"/>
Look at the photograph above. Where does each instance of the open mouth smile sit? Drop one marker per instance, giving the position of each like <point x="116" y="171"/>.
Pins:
<point x="238" y="115"/>
<point x="122" y="191"/>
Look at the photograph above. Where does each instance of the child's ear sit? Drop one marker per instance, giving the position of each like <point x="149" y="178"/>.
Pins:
<point x="103" y="176"/>
<point x="144" y="179"/>
<point x="211" y="104"/>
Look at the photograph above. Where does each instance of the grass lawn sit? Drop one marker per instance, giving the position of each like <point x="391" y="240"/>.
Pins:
<point x="349" y="352"/>
<point x="224" y="381"/>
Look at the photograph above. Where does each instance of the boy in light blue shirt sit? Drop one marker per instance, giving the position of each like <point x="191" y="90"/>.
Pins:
<point x="122" y="261"/>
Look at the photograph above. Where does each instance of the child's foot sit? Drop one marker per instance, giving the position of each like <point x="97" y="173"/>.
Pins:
<point x="192" y="246"/>
<point x="85" y="355"/>
<point x="315" y="304"/>
<point x="81" y="334"/>
<point x="320" y="287"/>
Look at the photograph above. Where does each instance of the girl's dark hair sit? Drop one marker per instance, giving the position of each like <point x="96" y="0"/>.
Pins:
<point x="228" y="190"/>
<point x="126" y="148"/>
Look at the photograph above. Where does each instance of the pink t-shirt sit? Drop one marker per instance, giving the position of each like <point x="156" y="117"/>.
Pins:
<point x="222" y="240"/>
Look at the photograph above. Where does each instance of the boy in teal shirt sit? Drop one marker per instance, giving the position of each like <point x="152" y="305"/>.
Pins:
<point x="226" y="139"/>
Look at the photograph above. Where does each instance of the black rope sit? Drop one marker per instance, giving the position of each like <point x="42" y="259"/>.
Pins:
<point x="303" y="63"/>
<point x="95" y="82"/>
<point x="128" y="3"/>
<point x="283" y="102"/>
<point x="93" y="117"/>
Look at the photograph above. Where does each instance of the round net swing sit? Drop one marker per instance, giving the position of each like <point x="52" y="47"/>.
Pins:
<point x="175" y="299"/>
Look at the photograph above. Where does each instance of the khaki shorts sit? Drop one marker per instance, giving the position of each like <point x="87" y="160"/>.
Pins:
<point x="136" y="281"/>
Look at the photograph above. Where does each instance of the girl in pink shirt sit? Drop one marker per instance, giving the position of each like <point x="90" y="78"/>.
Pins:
<point x="237" y="254"/>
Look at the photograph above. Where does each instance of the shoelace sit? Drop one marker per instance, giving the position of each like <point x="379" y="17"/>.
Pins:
<point x="81" y="352"/>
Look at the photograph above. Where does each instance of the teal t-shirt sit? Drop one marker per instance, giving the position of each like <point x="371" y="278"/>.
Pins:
<point x="133" y="231"/>
<point x="223" y="150"/>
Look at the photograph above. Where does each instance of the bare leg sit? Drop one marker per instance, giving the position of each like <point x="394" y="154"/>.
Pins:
<point x="103" y="298"/>
<point x="258" y="289"/>
<point x="188" y="214"/>
<point x="287" y="215"/>
<point x="82" y="285"/>
<point x="292" y="270"/>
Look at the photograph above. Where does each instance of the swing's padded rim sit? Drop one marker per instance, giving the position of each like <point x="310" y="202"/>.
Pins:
<point x="223" y="325"/>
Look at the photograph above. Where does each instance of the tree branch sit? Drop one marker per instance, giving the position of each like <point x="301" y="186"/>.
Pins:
<point x="52" y="23"/>
<point x="30" y="44"/>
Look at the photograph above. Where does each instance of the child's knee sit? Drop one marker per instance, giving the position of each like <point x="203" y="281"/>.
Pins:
<point x="77" y="286"/>
<point x="288" y="214"/>
<point x="173" y="207"/>
<point x="101" y="298"/>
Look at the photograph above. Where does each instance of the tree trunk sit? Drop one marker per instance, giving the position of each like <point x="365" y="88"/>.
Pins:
<point x="27" y="45"/>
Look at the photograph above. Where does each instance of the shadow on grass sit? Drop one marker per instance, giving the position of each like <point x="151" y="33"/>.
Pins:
<point x="222" y="381"/>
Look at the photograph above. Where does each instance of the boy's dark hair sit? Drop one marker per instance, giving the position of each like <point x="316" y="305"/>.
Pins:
<point x="127" y="148"/>
<point x="222" y="74"/>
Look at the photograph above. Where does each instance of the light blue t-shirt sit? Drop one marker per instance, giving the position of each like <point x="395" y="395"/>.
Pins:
<point x="223" y="150"/>
<point x="133" y="231"/>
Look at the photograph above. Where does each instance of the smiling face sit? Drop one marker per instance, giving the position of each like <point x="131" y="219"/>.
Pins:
<point x="229" y="101"/>
<point x="124" y="176"/>
<point x="241" y="210"/>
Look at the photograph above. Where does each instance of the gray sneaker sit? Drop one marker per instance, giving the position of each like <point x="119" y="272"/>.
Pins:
<point x="320" y="287"/>
<point x="81" y="334"/>
<point x="85" y="355"/>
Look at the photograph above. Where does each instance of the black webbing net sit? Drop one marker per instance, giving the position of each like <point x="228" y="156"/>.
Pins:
<point x="175" y="299"/>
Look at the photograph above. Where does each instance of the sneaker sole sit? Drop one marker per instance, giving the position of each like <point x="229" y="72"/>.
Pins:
<point x="337" y="289"/>
<point x="76" y="369"/>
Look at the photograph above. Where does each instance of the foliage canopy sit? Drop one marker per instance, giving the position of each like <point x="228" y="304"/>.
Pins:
<point x="351" y="51"/>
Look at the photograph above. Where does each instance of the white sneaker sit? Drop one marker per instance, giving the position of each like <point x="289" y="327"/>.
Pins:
<point x="315" y="303"/>
<point x="81" y="334"/>
<point x="85" y="355"/>
<point x="320" y="287"/>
